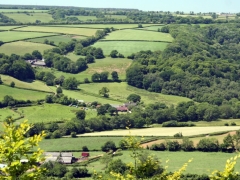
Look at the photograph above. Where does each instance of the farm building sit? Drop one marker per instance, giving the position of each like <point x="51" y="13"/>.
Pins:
<point x="36" y="63"/>
<point x="65" y="158"/>
<point x="122" y="109"/>
<point x="85" y="154"/>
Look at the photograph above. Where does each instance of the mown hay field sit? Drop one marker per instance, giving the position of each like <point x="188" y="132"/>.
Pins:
<point x="21" y="94"/>
<point x="22" y="47"/>
<point x="63" y="30"/>
<point x="7" y="36"/>
<point x="120" y="91"/>
<point x="139" y="35"/>
<point x="30" y="17"/>
<point x="31" y="84"/>
<point x="128" y="47"/>
<point x="186" y="131"/>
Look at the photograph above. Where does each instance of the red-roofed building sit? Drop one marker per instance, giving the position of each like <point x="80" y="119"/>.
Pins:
<point x="122" y="108"/>
<point x="85" y="154"/>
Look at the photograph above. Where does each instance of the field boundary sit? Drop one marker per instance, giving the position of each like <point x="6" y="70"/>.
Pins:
<point x="135" y="41"/>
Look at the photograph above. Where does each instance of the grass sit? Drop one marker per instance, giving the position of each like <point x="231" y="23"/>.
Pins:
<point x="106" y="64"/>
<point x="153" y="28"/>
<point x="56" y="39"/>
<point x="116" y="16"/>
<point x="63" y="30"/>
<point x="35" y="85"/>
<point x="77" y="143"/>
<point x="120" y="91"/>
<point x="7" y="27"/>
<point x="217" y="123"/>
<point x="128" y="47"/>
<point x="186" y="131"/>
<point x="21" y="94"/>
<point x="130" y="34"/>
<point x="74" y="57"/>
<point x="5" y="112"/>
<point x="21" y="10"/>
<point x="8" y="36"/>
<point x="31" y="18"/>
<point x="22" y="47"/>
<point x="85" y="18"/>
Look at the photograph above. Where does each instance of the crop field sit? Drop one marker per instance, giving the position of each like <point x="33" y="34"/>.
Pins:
<point x="8" y="36"/>
<point x="77" y="143"/>
<point x="35" y="85"/>
<point x="5" y="112"/>
<point x="7" y="27"/>
<point x="63" y="30"/>
<point x="22" y="47"/>
<point x="56" y="39"/>
<point x="128" y="47"/>
<point x="85" y="18"/>
<point x="30" y="17"/>
<point x="21" y="94"/>
<point x="153" y="28"/>
<point x="186" y="131"/>
<point x="139" y="35"/>
<point x="202" y="162"/>
<point x="120" y="91"/>
<point x="22" y="10"/>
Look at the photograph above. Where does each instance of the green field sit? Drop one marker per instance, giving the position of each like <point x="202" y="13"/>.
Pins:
<point x="120" y="91"/>
<point x="7" y="27"/>
<point x="63" y="30"/>
<point x="8" y="36"/>
<point x="22" y="47"/>
<point x="56" y="39"/>
<point x="21" y="10"/>
<point x="128" y="47"/>
<point x="116" y="16"/>
<point x="202" y="163"/>
<point x="139" y="35"/>
<point x="85" y="18"/>
<point x="5" y="112"/>
<point x="21" y="94"/>
<point x="30" y="17"/>
<point x="77" y="143"/>
<point x="153" y="28"/>
<point x="35" y="85"/>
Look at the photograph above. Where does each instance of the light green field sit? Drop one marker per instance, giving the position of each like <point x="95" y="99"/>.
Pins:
<point x="74" y="57"/>
<point x="120" y="91"/>
<point x="5" y="112"/>
<point x="217" y="123"/>
<point x="22" y="47"/>
<point x="7" y="36"/>
<point x="31" y="18"/>
<point x="186" y="131"/>
<point x="129" y="35"/>
<point x="107" y="64"/>
<point x="202" y="162"/>
<point x="21" y="94"/>
<point x="152" y="28"/>
<point x="37" y="85"/>
<point x="63" y="30"/>
<point x="116" y="16"/>
<point x="85" y="18"/>
<point x="7" y="27"/>
<point x="22" y="10"/>
<point x="128" y="47"/>
<point x="56" y="39"/>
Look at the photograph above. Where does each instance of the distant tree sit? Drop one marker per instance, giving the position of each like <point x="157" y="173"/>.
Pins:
<point x="46" y="41"/>
<point x="109" y="145"/>
<point x="27" y="56"/>
<point x="89" y="58"/>
<point x="104" y="76"/>
<point x="70" y="83"/>
<point x="36" y="54"/>
<point x="1" y="43"/>
<point x="56" y="134"/>
<point x="81" y="114"/>
<point x="49" y="99"/>
<point x="95" y="77"/>
<point x="37" y="21"/>
<point x="51" y="43"/>
<point x="104" y="92"/>
<point x="120" y="55"/>
<point x="134" y="98"/>
<point x="98" y="53"/>
<point x="140" y="26"/>
<point x="114" y="54"/>
<point x="12" y="84"/>
<point x="59" y="90"/>
<point x="114" y="76"/>
<point x="117" y="166"/>
<point x="165" y="29"/>
<point x="86" y="80"/>
<point x="1" y="82"/>
<point x="214" y="16"/>
<point x="85" y="148"/>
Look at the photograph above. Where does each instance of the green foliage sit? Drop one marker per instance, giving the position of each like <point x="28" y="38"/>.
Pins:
<point x="208" y="145"/>
<point x="12" y="84"/>
<point x="114" y="54"/>
<point x="70" y="83"/>
<point x="109" y="145"/>
<point x="114" y="76"/>
<point x="59" y="90"/>
<point x="54" y="169"/>
<point x="134" y="98"/>
<point x="117" y="166"/>
<point x="85" y="149"/>
<point x="104" y="92"/>
<point x="81" y="114"/>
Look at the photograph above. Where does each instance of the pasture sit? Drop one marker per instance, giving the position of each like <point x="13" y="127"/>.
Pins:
<point x="21" y="94"/>
<point x="5" y="112"/>
<point x="6" y="28"/>
<point x="22" y="47"/>
<point x="138" y="35"/>
<point x="62" y="30"/>
<point x="128" y="47"/>
<point x="186" y="131"/>
<point x="35" y="85"/>
<point x="8" y="36"/>
<point x="153" y="28"/>
<point x="30" y="17"/>
<point x="120" y="91"/>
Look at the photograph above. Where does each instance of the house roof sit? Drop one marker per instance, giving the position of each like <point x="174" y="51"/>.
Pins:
<point x="66" y="160"/>
<point x="64" y="154"/>
<point x="85" y="154"/>
<point x="51" y="159"/>
<point x="122" y="108"/>
<point x="39" y="63"/>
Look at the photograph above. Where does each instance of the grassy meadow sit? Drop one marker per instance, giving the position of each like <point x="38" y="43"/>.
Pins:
<point x="120" y="91"/>
<point x="128" y="47"/>
<point x="30" y="17"/>
<point x="139" y="35"/>
<point x="21" y="94"/>
<point x="22" y="47"/>
<point x="8" y="36"/>
<point x="62" y="30"/>
<point x="153" y="28"/>
<point x="5" y="112"/>
<point x="5" y="28"/>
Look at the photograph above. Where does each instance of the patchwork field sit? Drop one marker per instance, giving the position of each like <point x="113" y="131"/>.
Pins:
<point x="8" y="36"/>
<point x="7" y="27"/>
<point x="139" y="35"/>
<point x="30" y="17"/>
<point x="21" y="94"/>
<point x="128" y="47"/>
<point x="186" y="131"/>
<point x="153" y="28"/>
<point x="120" y="91"/>
<point x="5" y="112"/>
<point x="21" y="10"/>
<point x="22" y="47"/>
<point x="63" y="30"/>
<point x="35" y="85"/>
<point x="56" y="39"/>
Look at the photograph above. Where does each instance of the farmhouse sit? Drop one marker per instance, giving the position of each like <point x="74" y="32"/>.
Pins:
<point x="65" y="158"/>
<point x="36" y="63"/>
<point x="122" y="109"/>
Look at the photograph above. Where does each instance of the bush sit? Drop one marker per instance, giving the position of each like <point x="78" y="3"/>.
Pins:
<point x="85" y="149"/>
<point x="208" y="145"/>
<point x="117" y="166"/>
<point x="158" y="147"/>
<point x="177" y="124"/>
<point x="73" y="134"/>
<point x="48" y="135"/>
<point x="226" y="124"/>
<point x="187" y="145"/>
<point x="233" y="124"/>
<point x="173" y="146"/>
<point x="56" y="134"/>
<point x="178" y="135"/>
<point x="109" y="145"/>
